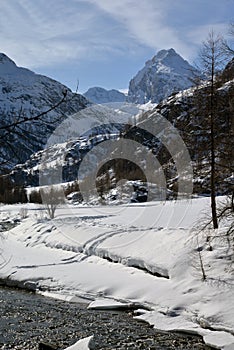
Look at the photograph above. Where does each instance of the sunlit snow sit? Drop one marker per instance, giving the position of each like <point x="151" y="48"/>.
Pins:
<point x="138" y="254"/>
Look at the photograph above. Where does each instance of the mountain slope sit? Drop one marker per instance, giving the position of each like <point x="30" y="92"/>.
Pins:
<point x="24" y="94"/>
<point x="189" y="113"/>
<point x="164" y="74"/>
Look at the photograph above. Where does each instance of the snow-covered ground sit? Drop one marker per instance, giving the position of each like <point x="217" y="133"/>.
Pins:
<point x="139" y="254"/>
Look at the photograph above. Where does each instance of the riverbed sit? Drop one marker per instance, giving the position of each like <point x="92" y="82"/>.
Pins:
<point x="28" y="319"/>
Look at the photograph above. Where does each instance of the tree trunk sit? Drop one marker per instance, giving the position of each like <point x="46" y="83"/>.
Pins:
<point x="212" y="136"/>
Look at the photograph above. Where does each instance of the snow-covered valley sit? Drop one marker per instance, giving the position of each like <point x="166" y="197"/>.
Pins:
<point x="147" y="255"/>
<point x="109" y="246"/>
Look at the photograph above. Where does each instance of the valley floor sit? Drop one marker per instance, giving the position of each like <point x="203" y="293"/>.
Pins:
<point x="141" y="255"/>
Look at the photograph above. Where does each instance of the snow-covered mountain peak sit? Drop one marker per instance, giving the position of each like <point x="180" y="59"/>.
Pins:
<point x="6" y="64"/>
<point x="172" y="60"/>
<point x="162" y="54"/>
<point x="162" y="75"/>
<point x="5" y="59"/>
<point x="100" y="95"/>
<point x="8" y="67"/>
<point x="10" y="72"/>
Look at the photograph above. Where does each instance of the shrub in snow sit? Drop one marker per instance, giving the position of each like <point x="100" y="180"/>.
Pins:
<point x="52" y="197"/>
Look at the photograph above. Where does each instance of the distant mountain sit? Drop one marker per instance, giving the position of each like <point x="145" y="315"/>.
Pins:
<point x="100" y="95"/>
<point x="164" y="74"/>
<point x="24" y="94"/>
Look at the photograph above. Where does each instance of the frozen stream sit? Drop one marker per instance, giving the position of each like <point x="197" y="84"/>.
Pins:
<point x="28" y="319"/>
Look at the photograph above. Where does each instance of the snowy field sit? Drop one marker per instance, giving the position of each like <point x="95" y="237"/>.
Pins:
<point x="142" y="255"/>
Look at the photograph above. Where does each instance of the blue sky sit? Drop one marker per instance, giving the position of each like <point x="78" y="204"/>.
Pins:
<point x="105" y="42"/>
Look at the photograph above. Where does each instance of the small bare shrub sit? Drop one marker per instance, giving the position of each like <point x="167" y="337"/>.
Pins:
<point x="52" y="197"/>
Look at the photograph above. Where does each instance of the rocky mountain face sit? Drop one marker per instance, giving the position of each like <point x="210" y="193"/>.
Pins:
<point x="59" y="161"/>
<point x="189" y="112"/>
<point x="228" y="73"/>
<point x="100" y="95"/>
<point x="166" y="73"/>
<point x="24" y="95"/>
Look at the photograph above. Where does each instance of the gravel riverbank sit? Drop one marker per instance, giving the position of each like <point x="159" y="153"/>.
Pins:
<point x="28" y="319"/>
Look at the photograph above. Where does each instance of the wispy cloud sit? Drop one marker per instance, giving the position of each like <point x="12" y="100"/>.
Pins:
<point x="42" y="33"/>
<point x="149" y="24"/>
<point x="144" y="21"/>
<point x="198" y="34"/>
